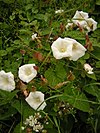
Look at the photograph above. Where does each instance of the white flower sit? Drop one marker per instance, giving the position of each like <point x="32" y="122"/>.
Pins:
<point x="61" y="48"/>
<point x="36" y="99"/>
<point x="59" y="11"/>
<point x="34" y="36"/>
<point x="27" y="72"/>
<point x="77" y="49"/>
<point x="7" y="81"/>
<point x="80" y="18"/>
<point x="88" y="68"/>
<point x="91" y="24"/>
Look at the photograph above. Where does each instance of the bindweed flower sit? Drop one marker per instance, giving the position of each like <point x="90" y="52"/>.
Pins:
<point x="91" y="24"/>
<point x="7" y="81"/>
<point x="78" y="50"/>
<point x="67" y="47"/>
<point x="88" y="68"/>
<point x="34" y="36"/>
<point x="59" y="11"/>
<point x="80" y="18"/>
<point x="61" y="48"/>
<point x="27" y="72"/>
<point x="36" y="99"/>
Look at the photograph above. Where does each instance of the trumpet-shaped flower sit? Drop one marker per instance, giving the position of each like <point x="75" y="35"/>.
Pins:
<point x="61" y="48"/>
<point x="78" y="50"/>
<point x="7" y="81"/>
<point x="27" y="72"/>
<point x="36" y="100"/>
<point x="80" y="18"/>
<point x="91" y="24"/>
<point x="88" y="68"/>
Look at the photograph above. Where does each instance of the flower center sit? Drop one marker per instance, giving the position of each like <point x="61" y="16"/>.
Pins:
<point x="28" y="71"/>
<point x="74" y="47"/>
<point x="37" y="100"/>
<point x="6" y="80"/>
<point x="62" y="50"/>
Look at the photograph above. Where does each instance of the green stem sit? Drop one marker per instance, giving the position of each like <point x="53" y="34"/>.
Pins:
<point x="96" y="126"/>
<point x="55" y="120"/>
<point x="21" y="118"/>
<point x="45" y="59"/>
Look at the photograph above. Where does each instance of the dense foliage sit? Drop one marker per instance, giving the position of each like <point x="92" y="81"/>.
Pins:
<point x="72" y="95"/>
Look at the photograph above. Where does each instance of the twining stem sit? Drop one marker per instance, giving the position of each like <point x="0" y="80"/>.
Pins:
<point x="45" y="59"/>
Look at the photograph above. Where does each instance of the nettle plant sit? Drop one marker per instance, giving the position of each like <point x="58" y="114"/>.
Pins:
<point x="57" y="80"/>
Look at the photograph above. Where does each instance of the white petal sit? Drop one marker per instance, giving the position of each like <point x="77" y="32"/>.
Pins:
<point x="90" y="72"/>
<point x="91" y="24"/>
<point x="35" y="99"/>
<point x="80" y="15"/>
<point x="61" y="48"/>
<point x="7" y="81"/>
<point x="27" y="72"/>
<point x="78" y="50"/>
<point x="34" y="36"/>
<point x="88" y="68"/>
<point x="80" y="18"/>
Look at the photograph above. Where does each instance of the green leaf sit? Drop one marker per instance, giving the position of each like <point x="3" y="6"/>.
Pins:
<point x="28" y="6"/>
<point x="18" y="129"/>
<point x="10" y="111"/>
<point x="6" y="96"/>
<point x="95" y="41"/>
<point x="92" y="76"/>
<point x="46" y="31"/>
<point x="97" y="2"/>
<point x="23" y="108"/>
<point x="60" y="71"/>
<point x="29" y="16"/>
<point x="76" y="99"/>
<point x="98" y="64"/>
<point x="3" y="52"/>
<point x="40" y="16"/>
<point x="96" y="53"/>
<point x="93" y="90"/>
<point x="75" y="34"/>
<point x="52" y="79"/>
<point x="57" y="75"/>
